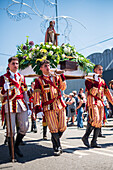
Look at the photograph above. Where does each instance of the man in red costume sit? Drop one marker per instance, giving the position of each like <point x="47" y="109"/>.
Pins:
<point x="18" y="99"/>
<point x="30" y="93"/>
<point x="49" y="87"/>
<point x="51" y="35"/>
<point x="96" y="89"/>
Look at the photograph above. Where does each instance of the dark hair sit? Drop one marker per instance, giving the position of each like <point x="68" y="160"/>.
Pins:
<point x="96" y="66"/>
<point x="50" y="21"/>
<point x="44" y="62"/>
<point x="80" y="96"/>
<point x="81" y="89"/>
<point x="12" y="58"/>
<point x="7" y="68"/>
<point x="32" y="82"/>
<point x="74" y="92"/>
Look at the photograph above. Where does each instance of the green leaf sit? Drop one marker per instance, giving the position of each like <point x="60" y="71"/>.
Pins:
<point x="22" y="61"/>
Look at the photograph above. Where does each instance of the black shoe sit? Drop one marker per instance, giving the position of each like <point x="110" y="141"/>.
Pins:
<point x="61" y="151"/>
<point x="35" y="130"/>
<point x="72" y="124"/>
<point x="22" y="143"/>
<point x="85" y="141"/>
<point x="6" y="141"/>
<point x="3" y="127"/>
<point x="102" y="136"/>
<point x="44" y="137"/>
<point x="95" y="146"/>
<point x="57" y="152"/>
<point x="31" y="128"/>
<point x="44" y="132"/>
<point x="18" y="152"/>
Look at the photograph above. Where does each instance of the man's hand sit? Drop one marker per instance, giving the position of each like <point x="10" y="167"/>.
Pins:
<point x="58" y="71"/>
<point x="40" y="115"/>
<point x="6" y="86"/>
<point x="29" y="112"/>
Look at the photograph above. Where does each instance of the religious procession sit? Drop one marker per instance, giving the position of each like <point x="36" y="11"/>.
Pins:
<point x="44" y="100"/>
<point x="53" y="97"/>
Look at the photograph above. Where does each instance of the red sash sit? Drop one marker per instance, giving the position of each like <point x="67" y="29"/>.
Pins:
<point x="10" y="79"/>
<point x="31" y="99"/>
<point x="58" y="97"/>
<point x="16" y="98"/>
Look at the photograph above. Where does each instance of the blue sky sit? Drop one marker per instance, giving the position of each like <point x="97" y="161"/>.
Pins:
<point x="95" y="15"/>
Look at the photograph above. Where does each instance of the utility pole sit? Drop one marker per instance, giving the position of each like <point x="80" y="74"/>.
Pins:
<point x="56" y="16"/>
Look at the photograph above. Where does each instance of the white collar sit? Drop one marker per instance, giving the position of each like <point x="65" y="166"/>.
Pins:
<point x="47" y="75"/>
<point x="12" y="73"/>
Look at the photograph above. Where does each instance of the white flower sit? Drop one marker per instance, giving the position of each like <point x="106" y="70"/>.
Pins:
<point x="63" y="55"/>
<point x="50" y="43"/>
<point x="53" y="47"/>
<point x="41" y="43"/>
<point x="37" y="48"/>
<point x="33" y="48"/>
<point x="74" y="50"/>
<point x="65" y="50"/>
<point x="76" y="55"/>
<point x="58" y="47"/>
<point x="48" y="46"/>
<point x="81" y="58"/>
<point x="30" y="55"/>
<point x="89" y="64"/>
<point x="51" y="52"/>
<point x="69" y="49"/>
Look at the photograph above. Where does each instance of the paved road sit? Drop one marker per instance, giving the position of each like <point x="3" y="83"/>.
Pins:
<point x="38" y="154"/>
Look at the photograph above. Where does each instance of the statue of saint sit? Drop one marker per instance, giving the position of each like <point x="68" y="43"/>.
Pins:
<point x="51" y="35"/>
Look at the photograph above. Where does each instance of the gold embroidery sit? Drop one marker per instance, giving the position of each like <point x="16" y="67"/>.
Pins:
<point x="37" y="90"/>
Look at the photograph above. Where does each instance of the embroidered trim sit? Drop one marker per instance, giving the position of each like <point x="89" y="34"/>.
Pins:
<point x="37" y="90"/>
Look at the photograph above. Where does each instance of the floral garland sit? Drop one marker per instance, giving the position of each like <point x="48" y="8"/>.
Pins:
<point x="30" y="54"/>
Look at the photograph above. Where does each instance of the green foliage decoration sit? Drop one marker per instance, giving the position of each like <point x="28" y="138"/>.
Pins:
<point x="30" y="54"/>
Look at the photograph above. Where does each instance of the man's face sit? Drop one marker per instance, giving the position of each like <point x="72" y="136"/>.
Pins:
<point x="33" y="85"/>
<point x="45" y="69"/>
<point x="13" y="65"/>
<point x="81" y="91"/>
<point x="51" y="24"/>
<point x="70" y="96"/>
<point x="99" y="70"/>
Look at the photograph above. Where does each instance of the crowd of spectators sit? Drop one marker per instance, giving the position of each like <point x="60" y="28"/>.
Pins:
<point x="76" y="108"/>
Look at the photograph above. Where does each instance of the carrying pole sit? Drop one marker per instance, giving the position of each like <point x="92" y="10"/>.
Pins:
<point x="11" y="134"/>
